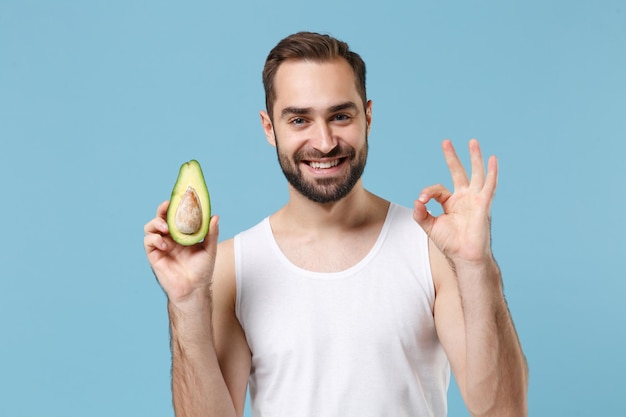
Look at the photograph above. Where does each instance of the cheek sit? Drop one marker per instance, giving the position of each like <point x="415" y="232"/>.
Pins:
<point x="289" y="142"/>
<point x="285" y="154"/>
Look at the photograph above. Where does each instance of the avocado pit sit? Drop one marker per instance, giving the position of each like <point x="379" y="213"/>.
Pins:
<point x="189" y="213"/>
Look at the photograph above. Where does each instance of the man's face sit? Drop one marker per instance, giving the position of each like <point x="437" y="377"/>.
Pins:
<point x="320" y="128"/>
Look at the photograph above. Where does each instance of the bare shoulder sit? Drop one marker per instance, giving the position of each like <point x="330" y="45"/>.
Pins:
<point x="447" y="295"/>
<point x="448" y="312"/>
<point x="231" y="347"/>
<point x="226" y="255"/>
<point x="224" y="285"/>
<point x="442" y="272"/>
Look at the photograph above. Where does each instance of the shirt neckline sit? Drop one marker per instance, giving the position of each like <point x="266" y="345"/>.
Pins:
<point x="330" y="275"/>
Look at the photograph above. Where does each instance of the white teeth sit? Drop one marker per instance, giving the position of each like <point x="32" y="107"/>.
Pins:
<point x="324" y="165"/>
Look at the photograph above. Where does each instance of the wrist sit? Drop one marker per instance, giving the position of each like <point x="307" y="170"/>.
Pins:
<point x="190" y="319"/>
<point x="485" y="262"/>
<point x="478" y="274"/>
<point x="188" y="298"/>
<point x="196" y="301"/>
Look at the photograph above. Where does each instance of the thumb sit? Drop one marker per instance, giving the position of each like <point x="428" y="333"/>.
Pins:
<point x="422" y="216"/>
<point x="210" y="241"/>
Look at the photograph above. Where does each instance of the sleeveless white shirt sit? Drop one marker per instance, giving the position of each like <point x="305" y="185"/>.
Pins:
<point x="355" y="343"/>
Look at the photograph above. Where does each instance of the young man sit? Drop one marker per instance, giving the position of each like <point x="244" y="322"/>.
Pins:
<point x="340" y="303"/>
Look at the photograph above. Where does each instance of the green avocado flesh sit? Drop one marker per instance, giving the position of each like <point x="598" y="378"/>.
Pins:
<point x="190" y="206"/>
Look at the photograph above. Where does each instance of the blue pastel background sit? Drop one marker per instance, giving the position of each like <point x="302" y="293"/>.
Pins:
<point x="101" y="101"/>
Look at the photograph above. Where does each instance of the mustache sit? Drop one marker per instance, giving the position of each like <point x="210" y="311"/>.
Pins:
<point x="338" y="151"/>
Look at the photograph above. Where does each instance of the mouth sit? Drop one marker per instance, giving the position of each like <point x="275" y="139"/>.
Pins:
<point x="324" y="164"/>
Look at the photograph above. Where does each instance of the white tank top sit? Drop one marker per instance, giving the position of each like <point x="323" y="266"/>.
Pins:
<point x="356" y="343"/>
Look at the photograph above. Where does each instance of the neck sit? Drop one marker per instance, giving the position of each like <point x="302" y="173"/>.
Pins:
<point x="358" y="207"/>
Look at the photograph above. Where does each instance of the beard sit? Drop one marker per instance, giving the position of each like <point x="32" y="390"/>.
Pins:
<point x="324" y="190"/>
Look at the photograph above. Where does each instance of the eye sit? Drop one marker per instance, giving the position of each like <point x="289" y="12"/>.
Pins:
<point x="297" y="121"/>
<point x="341" y="117"/>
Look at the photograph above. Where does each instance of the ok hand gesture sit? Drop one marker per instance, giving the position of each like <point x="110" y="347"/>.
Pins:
<point x="463" y="232"/>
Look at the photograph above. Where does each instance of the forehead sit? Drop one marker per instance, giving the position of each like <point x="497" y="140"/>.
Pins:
<point x="314" y="84"/>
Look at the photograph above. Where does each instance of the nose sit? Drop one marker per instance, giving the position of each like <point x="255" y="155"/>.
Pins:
<point x="324" y="141"/>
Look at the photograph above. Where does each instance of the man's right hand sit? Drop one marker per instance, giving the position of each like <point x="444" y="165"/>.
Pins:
<point x="181" y="270"/>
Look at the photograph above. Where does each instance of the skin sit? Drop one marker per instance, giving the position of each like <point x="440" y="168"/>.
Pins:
<point x="211" y="360"/>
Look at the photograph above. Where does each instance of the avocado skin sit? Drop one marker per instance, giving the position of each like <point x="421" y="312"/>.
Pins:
<point x="189" y="175"/>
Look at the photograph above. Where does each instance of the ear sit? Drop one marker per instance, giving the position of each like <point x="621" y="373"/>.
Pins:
<point x="268" y="128"/>
<point x="368" y="115"/>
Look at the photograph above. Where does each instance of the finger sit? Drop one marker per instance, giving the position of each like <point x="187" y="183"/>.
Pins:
<point x="437" y="192"/>
<point x="153" y="241"/>
<point x="162" y="209"/>
<point x="491" y="182"/>
<point x="210" y="241"/>
<point x="478" y="165"/>
<point x="423" y="217"/>
<point x="459" y="176"/>
<point x="156" y="225"/>
<point x="159" y="223"/>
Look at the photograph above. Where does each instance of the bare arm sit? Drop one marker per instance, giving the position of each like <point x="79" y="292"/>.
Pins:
<point x="471" y="315"/>
<point x="203" y="381"/>
<point x="198" y="386"/>
<point x="477" y="332"/>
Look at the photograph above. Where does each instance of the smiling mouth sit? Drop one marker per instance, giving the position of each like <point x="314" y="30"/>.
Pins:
<point x="323" y="164"/>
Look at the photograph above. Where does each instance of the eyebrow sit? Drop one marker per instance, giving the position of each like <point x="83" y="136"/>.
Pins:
<point x="299" y="111"/>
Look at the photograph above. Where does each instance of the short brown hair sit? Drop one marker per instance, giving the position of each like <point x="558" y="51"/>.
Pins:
<point x="314" y="47"/>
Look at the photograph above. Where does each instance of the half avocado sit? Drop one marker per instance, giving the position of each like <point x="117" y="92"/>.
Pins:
<point x="189" y="212"/>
